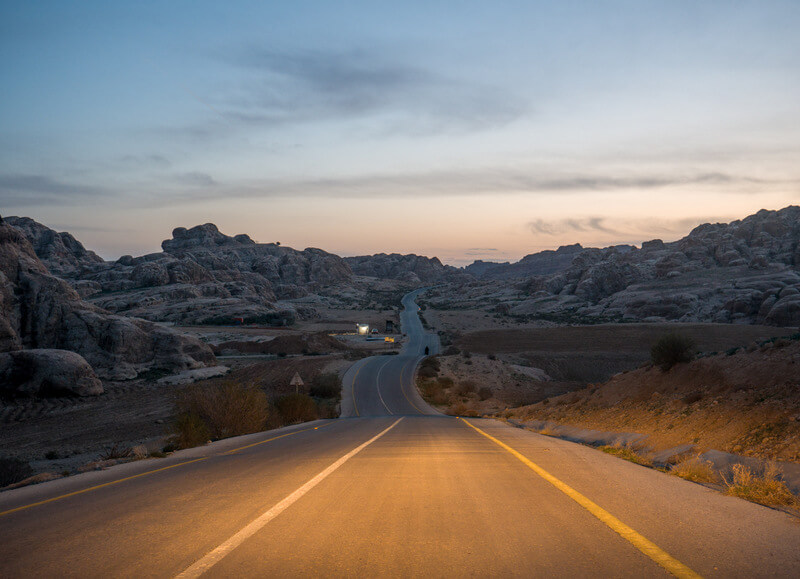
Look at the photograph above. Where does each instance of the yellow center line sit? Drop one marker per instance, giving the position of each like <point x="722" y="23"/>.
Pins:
<point x="141" y="474"/>
<point x="647" y="547"/>
<point x="277" y="437"/>
<point x="94" y="488"/>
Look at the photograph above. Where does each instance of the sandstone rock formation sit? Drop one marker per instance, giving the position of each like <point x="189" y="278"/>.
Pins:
<point x="205" y="276"/>
<point x="62" y="254"/>
<point x="40" y="311"/>
<point x="746" y="271"/>
<point x="46" y="373"/>
<point x="409" y="268"/>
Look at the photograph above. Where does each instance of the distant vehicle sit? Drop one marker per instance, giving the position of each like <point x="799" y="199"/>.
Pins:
<point x="374" y="330"/>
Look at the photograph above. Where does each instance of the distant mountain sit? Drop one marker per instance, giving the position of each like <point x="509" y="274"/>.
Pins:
<point x="746" y="271"/>
<point x="410" y="268"/>
<point x="543" y="263"/>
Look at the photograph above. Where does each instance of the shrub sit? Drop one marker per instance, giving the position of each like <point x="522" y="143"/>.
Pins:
<point x="465" y="387"/>
<point x="696" y="470"/>
<point x="671" y="349"/>
<point x="328" y="385"/>
<point x="227" y="408"/>
<point x="484" y="393"/>
<point x="764" y="488"/>
<point x="445" y="381"/>
<point x="296" y="408"/>
<point x="13" y="470"/>
<point x="428" y="372"/>
<point x="116" y="452"/>
<point x="190" y="431"/>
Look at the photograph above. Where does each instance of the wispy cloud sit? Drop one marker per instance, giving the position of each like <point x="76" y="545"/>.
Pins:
<point x="196" y="178"/>
<point x="629" y="230"/>
<point x="305" y="86"/>
<point x="31" y="190"/>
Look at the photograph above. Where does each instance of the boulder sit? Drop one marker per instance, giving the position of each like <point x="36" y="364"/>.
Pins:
<point x="46" y="373"/>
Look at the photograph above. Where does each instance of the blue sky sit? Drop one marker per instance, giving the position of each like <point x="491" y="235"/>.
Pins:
<point x="491" y="131"/>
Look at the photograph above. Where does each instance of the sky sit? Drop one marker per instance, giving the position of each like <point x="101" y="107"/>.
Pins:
<point x="488" y="132"/>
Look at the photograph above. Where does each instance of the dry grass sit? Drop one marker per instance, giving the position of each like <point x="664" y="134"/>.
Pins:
<point x="764" y="488"/>
<point x="696" y="470"/>
<point x="627" y="453"/>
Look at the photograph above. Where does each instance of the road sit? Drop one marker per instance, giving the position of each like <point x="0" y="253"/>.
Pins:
<point x="391" y="489"/>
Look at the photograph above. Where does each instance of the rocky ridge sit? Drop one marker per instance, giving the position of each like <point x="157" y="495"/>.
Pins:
<point x="205" y="276"/>
<point x="48" y="334"/>
<point x="747" y="271"/>
<point x="410" y="268"/>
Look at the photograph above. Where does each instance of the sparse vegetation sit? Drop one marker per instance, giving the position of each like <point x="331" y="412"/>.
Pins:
<point x="327" y="385"/>
<point x="764" y="488"/>
<point x="219" y="410"/>
<point x="696" y="470"/>
<point x="294" y="408"/>
<point x="116" y="452"/>
<point x="671" y="349"/>
<point x="627" y="453"/>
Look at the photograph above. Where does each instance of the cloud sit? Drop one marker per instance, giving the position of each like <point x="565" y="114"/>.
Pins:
<point x="483" y="249"/>
<point x="196" y="178"/>
<point x="632" y="230"/>
<point x="147" y="161"/>
<point x="476" y="182"/>
<point x="27" y="190"/>
<point x="308" y="86"/>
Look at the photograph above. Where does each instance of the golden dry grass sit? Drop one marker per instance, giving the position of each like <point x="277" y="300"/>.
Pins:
<point x="627" y="453"/>
<point x="764" y="488"/>
<point x="696" y="469"/>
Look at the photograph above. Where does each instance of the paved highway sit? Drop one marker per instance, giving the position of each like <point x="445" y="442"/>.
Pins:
<point x="393" y="489"/>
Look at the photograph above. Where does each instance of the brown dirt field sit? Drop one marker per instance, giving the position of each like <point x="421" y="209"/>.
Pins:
<point x="613" y="337"/>
<point x="595" y="353"/>
<point x="287" y="344"/>
<point x="745" y="403"/>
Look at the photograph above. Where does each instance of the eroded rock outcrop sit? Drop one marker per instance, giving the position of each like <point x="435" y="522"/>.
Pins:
<point x="39" y="311"/>
<point x="410" y="268"/>
<point x="205" y="276"/>
<point x="747" y="271"/>
<point x="46" y="373"/>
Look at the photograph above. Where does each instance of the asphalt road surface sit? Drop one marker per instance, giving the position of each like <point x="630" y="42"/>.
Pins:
<point x="391" y="489"/>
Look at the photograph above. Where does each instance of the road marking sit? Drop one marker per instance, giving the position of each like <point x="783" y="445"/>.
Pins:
<point x="644" y="545"/>
<point x="113" y="482"/>
<point x="277" y="437"/>
<point x="403" y="390"/>
<point x="141" y="474"/>
<point x="353" y="390"/>
<point x="215" y="556"/>
<point x="378" y="386"/>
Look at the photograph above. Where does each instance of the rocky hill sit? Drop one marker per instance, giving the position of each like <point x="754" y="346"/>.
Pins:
<point x="202" y="276"/>
<point x="747" y="271"/>
<point x="543" y="263"/>
<point x="410" y="268"/>
<point x="52" y="342"/>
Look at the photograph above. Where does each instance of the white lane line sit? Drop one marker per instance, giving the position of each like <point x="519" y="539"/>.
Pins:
<point x="215" y="556"/>
<point x="378" y="387"/>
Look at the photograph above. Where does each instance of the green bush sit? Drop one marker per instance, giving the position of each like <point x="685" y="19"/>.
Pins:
<point x="226" y="409"/>
<point x="13" y="470"/>
<point x="296" y="408"/>
<point x="671" y="349"/>
<point x="328" y="385"/>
